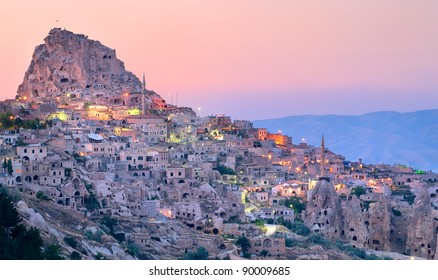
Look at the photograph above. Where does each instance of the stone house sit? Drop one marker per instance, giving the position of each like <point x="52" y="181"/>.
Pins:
<point x="274" y="246"/>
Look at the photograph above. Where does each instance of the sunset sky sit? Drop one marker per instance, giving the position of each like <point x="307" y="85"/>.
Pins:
<point x="250" y="59"/>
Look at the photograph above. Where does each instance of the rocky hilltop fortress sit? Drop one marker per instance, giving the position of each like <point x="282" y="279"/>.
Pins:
<point x="71" y="64"/>
<point x="105" y="168"/>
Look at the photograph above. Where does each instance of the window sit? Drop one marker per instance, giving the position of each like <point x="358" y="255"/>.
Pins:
<point x="25" y="151"/>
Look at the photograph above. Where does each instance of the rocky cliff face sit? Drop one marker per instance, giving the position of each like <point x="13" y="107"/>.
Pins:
<point x="378" y="220"/>
<point x="323" y="211"/>
<point x="71" y="64"/>
<point x="421" y="231"/>
<point x="356" y="231"/>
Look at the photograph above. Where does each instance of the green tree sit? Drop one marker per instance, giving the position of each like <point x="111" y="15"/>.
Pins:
<point x="75" y="256"/>
<point x="5" y="164"/>
<point x="296" y="203"/>
<point x="244" y="243"/>
<point x="223" y="170"/>
<point x="91" y="203"/>
<point x="264" y="253"/>
<point x="259" y="222"/>
<point x="53" y="252"/>
<point x="16" y="241"/>
<point x="358" y="191"/>
<point x="109" y="222"/>
<point x="10" y="169"/>
<point x="71" y="241"/>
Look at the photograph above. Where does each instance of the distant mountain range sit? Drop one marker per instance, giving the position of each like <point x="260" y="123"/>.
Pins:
<point x="379" y="137"/>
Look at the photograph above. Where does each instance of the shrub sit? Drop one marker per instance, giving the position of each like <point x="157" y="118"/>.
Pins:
<point x="120" y="236"/>
<point x="300" y="228"/>
<point x="296" y="226"/>
<point x="109" y="222"/>
<point x="75" y="256"/>
<point x="358" y="191"/>
<point x="318" y="239"/>
<point x="71" y="241"/>
<point x="396" y="212"/>
<point x="100" y="257"/>
<point x="296" y="203"/>
<point x="200" y="254"/>
<point x="259" y="222"/>
<point x="91" y="203"/>
<point x="97" y="236"/>
<point x="53" y="252"/>
<point x="244" y="243"/>
<point x="223" y="170"/>
<point x="16" y="241"/>
<point x="132" y="249"/>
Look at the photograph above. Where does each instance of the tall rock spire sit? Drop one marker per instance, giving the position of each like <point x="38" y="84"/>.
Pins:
<point x="322" y="155"/>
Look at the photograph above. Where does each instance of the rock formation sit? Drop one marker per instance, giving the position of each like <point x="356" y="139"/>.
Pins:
<point x="356" y="231"/>
<point x="378" y="220"/>
<point x="71" y="65"/>
<point x="323" y="211"/>
<point x="421" y="231"/>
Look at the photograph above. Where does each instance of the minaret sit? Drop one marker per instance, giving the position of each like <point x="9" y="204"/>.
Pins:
<point x="143" y="92"/>
<point x="322" y="155"/>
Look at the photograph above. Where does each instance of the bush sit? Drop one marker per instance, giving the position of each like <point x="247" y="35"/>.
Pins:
<point x="300" y="228"/>
<point x="259" y="222"/>
<point x="53" y="252"/>
<point x="318" y="239"/>
<point x="296" y="203"/>
<point x="374" y="257"/>
<point x="296" y="226"/>
<point x="109" y="222"/>
<point x="353" y="251"/>
<point x="396" y="212"/>
<point x="97" y="236"/>
<point x="200" y="254"/>
<point x="120" y="236"/>
<point x="358" y="191"/>
<point x="75" y="256"/>
<point x="41" y="196"/>
<point x="244" y="243"/>
<point x="16" y="241"/>
<point x="100" y="257"/>
<point x="71" y="241"/>
<point x="91" y="203"/>
<point x="223" y="170"/>
<point x="132" y="249"/>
